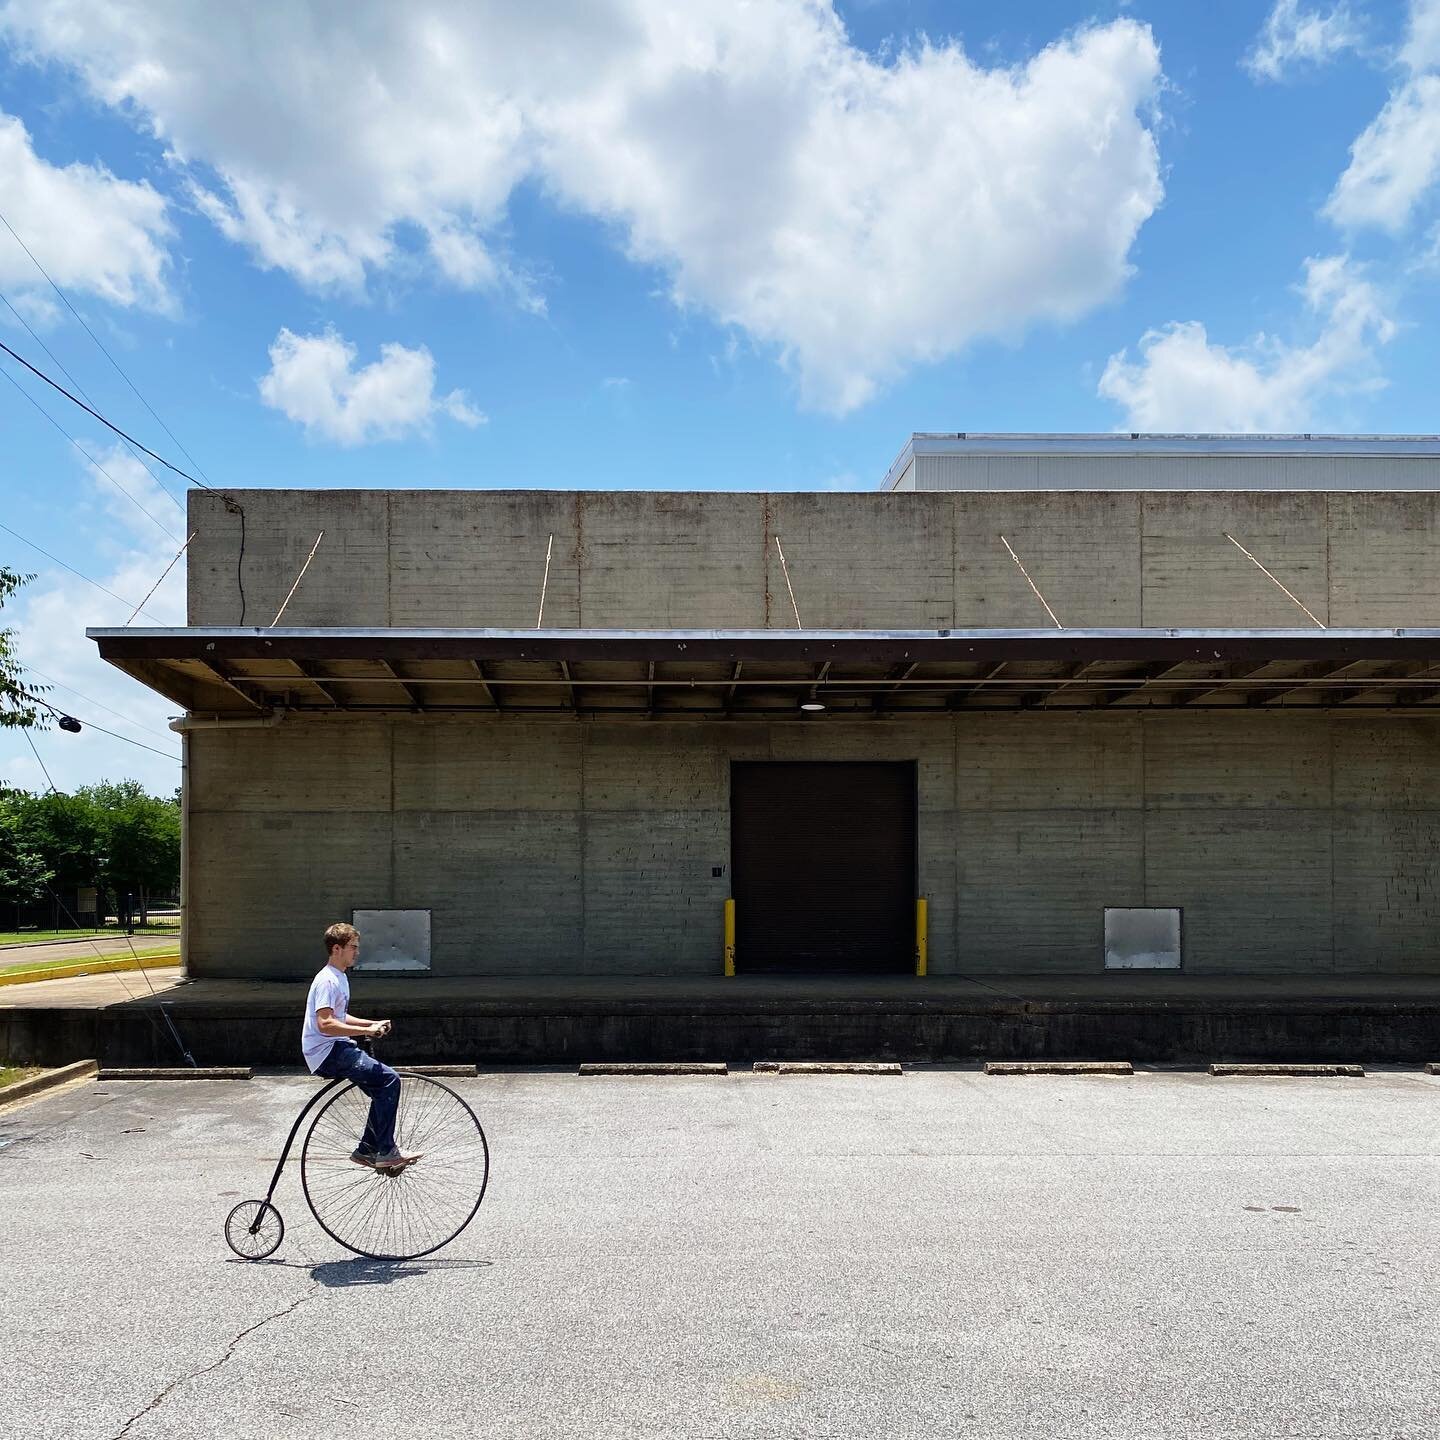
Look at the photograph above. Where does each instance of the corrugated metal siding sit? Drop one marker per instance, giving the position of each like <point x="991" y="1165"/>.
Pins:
<point x="823" y="858"/>
<point x="907" y="478"/>
<point x="1173" y="472"/>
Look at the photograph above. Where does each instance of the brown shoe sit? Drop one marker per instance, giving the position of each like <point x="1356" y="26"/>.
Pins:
<point x="394" y="1162"/>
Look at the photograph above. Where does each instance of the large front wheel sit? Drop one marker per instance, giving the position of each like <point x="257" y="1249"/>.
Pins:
<point x="403" y="1214"/>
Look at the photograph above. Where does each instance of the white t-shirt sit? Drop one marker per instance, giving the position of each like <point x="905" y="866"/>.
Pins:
<point x="329" y="989"/>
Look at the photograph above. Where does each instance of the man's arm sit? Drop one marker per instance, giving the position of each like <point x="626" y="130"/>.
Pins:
<point x="327" y="1024"/>
<point x="356" y="1020"/>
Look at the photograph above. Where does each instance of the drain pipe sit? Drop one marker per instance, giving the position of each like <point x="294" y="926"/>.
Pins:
<point x="185" y="857"/>
<point x="184" y="724"/>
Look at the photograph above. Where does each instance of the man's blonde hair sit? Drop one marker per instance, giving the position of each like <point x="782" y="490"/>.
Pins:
<point x="337" y="937"/>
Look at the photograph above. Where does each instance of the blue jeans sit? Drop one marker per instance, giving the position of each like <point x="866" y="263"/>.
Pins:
<point x="347" y="1061"/>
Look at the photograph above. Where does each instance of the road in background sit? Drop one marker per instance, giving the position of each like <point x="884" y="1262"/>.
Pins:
<point x="57" y="953"/>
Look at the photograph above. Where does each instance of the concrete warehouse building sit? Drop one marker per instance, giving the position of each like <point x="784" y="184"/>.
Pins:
<point x="1092" y="720"/>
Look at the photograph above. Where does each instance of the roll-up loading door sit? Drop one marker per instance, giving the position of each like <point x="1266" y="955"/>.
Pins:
<point x="823" y="859"/>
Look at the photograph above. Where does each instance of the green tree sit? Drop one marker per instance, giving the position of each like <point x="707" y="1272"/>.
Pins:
<point x="139" y="840"/>
<point x="67" y="831"/>
<point x="24" y="875"/>
<point x="17" y="707"/>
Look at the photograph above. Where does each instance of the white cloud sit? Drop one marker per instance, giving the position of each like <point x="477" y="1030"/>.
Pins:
<point x="93" y="232"/>
<point x="1422" y="42"/>
<point x="313" y="380"/>
<point x="857" y="217"/>
<point x="122" y="550"/>
<point x="1184" y="382"/>
<point x="1395" y="161"/>
<point x="1292" y="38"/>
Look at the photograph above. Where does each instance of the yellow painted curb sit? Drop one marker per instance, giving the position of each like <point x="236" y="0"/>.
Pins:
<point x="72" y="968"/>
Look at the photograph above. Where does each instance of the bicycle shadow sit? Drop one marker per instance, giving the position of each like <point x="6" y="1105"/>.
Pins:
<point x="342" y="1274"/>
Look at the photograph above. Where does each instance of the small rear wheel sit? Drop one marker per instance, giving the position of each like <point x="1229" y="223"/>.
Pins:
<point x="254" y="1229"/>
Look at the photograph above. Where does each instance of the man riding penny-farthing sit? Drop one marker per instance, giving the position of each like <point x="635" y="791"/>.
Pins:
<point x="394" y="1164"/>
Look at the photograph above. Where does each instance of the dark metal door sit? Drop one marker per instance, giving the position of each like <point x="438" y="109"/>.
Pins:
<point x="823" y="858"/>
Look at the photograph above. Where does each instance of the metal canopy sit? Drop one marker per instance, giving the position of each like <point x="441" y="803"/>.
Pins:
<point x="738" y="673"/>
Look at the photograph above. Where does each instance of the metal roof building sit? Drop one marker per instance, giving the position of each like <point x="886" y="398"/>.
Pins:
<point x="1166" y="462"/>
<point x="545" y="733"/>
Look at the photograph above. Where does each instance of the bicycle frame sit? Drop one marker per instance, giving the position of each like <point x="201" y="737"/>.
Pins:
<point x="367" y="1045"/>
<point x="290" y="1139"/>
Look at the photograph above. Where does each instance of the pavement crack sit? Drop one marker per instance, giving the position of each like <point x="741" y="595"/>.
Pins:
<point x="206" y="1369"/>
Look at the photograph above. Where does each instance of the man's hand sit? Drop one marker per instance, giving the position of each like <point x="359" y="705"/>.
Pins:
<point x="379" y="1028"/>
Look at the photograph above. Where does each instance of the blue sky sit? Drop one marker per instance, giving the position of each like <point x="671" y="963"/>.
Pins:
<point x="711" y="246"/>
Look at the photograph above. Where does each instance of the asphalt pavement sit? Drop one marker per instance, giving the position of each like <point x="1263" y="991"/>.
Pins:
<point x="752" y="1256"/>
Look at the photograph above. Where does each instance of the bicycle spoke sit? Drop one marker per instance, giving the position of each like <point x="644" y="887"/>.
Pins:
<point x="254" y="1229"/>
<point x="416" y="1209"/>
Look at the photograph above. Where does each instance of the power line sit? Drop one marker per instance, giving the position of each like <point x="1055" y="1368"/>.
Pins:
<point x="230" y="504"/>
<point x="30" y="695"/>
<point x="91" y="700"/>
<point x="105" y="352"/>
<point x="26" y="733"/>
<point x="60" y="364"/>
<point x="75" y="572"/>
<point x="94" y="462"/>
<point x="168" y="754"/>
<point x="30" y="329"/>
<point x="75" y="400"/>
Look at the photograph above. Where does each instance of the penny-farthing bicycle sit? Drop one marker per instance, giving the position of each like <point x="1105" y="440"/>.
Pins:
<point x="380" y="1213"/>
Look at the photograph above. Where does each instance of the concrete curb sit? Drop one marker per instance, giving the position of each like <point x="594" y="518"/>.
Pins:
<point x="827" y="1067"/>
<point x="1351" y="1071"/>
<point x="440" y="1072"/>
<point x="660" y="1067"/>
<point x="37" y="1084"/>
<point x="1059" y="1067"/>
<point x="181" y="1072"/>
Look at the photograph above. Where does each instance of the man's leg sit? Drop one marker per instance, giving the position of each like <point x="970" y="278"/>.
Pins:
<point x="382" y="1085"/>
<point x="379" y="1082"/>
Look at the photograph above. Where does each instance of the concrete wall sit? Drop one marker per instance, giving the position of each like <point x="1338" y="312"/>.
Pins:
<point x="871" y="561"/>
<point x="1292" y="842"/>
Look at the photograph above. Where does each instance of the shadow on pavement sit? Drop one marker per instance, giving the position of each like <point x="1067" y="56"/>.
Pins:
<point x="339" y="1274"/>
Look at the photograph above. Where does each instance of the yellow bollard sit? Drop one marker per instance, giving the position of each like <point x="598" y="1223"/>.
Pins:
<point x="922" y="936"/>
<point x="730" y="937"/>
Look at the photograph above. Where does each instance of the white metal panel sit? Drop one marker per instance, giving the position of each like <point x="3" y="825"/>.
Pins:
<point x="1105" y="467"/>
<point x="393" y="939"/>
<point x="905" y="480"/>
<point x="1142" y="939"/>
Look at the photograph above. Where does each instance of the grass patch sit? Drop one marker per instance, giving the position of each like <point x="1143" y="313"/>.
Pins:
<point x="29" y="937"/>
<point x="10" y="1074"/>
